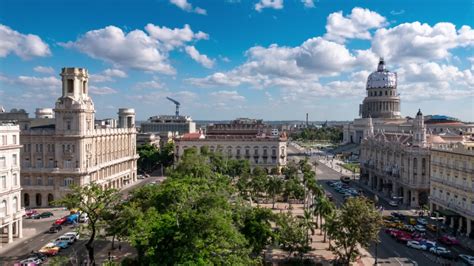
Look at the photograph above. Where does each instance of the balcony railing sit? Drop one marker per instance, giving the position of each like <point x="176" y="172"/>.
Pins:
<point x="463" y="187"/>
<point x="452" y="205"/>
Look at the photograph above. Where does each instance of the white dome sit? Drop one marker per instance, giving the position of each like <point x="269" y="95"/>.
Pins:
<point x="382" y="78"/>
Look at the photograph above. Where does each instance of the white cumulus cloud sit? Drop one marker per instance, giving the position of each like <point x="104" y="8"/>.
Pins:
<point x="101" y="90"/>
<point x="355" y="26"/>
<point x="186" y="6"/>
<point x="415" y="42"/>
<point x="308" y="3"/>
<point x="173" y="38"/>
<point x="275" y="4"/>
<point x="26" y="46"/>
<point x="108" y="75"/>
<point x="198" y="57"/>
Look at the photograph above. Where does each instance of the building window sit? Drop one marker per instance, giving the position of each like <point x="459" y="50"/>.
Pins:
<point x="70" y="86"/>
<point x="26" y="199"/>
<point x="68" y="125"/>
<point x="68" y="181"/>
<point x="39" y="163"/>
<point x="3" y="209"/>
<point x="15" y="179"/>
<point x="4" y="140"/>
<point x="3" y="181"/>
<point x="39" y="199"/>
<point x="3" y="162"/>
<point x="14" y="139"/>
<point x="39" y="181"/>
<point x="15" y="205"/>
<point x="50" y="181"/>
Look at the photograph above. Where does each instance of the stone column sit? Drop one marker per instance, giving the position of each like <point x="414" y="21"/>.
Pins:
<point x="468" y="226"/>
<point x="10" y="232"/>
<point x="20" y="228"/>
<point x="394" y="189"/>
<point x="451" y="224"/>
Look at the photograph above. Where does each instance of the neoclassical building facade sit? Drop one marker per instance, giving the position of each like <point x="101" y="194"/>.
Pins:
<point x="11" y="211"/>
<point x="267" y="152"/>
<point x="452" y="184"/>
<point x="398" y="164"/>
<point x="69" y="149"/>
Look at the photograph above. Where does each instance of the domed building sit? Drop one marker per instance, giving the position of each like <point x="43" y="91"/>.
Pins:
<point x="382" y="99"/>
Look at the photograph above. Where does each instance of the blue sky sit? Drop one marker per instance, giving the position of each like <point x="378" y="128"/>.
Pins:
<point x="270" y="59"/>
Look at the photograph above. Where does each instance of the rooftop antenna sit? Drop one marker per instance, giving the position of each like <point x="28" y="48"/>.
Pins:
<point x="176" y="103"/>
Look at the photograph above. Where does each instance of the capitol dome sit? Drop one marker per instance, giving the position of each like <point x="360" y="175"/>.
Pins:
<point x="382" y="78"/>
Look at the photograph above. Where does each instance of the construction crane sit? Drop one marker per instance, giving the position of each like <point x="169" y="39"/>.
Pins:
<point x="176" y="103"/>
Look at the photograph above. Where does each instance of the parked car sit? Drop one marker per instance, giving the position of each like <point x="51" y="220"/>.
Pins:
<point x="448" y="240"/>
<point x="74" y="234"/>
<point x="432" y="227"/>
<point x="55" y="228"/>
<point x="49" y="249"/>
<point x="416" y="245"/>
<point x="67" y="238"/>
<point x="468" y="259"/>
<point x="422" y="221"/>
<point x="34" y="216"/>
<point x="61" y="244"/>
<point x="393" y="203"/>
<point x="429" y="244"/>
<point x="29" y="212"/>
<point x="439" y="250"/>
<point x="412" y="221"/>
<point x="420" y="228"/>
<point x="345" y="179"/>
<point x="61" y="221"/>
<point x="73" y="218"/>
<point x="31" y="261"/>
<point x="44" y="215"/>
<point x="409" y="228"/>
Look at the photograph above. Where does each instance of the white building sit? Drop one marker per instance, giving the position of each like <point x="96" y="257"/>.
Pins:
<point x="69" y="149"/>
<point x="11" y="211"/>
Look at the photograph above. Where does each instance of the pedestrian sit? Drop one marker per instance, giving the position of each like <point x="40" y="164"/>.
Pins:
<point x="120" y="247"/>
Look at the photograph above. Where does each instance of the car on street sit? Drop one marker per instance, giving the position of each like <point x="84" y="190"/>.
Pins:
<point x="49" y="249"/>
<point x="420" y="228"/>
<point x="61" y="221"/>
<point x="398" y="215"/>
<point x="412" y="221"/>
<point x="416" y="245"/>
<point x="61" y="244"/>
<point x="468" y="259"/>
<point x="422" y="221"/>
<point x="34" y="216"/>
<point x="74" y="234"/>
<point x="55" y="228"/>
<point x="345" y="179"/>
<point x="393" y="203"/>
<point x="44" y="215"/>
<point x="448" y="240"/>
<point x="29" y="212"/>
<point x="432" y="227"/>
<point x="409" y="228"/>
<point x="439" y="250"/>
<point x="67" y="238"/>
<point x="31" y="261"/>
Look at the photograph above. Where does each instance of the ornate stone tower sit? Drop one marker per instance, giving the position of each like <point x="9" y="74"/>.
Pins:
<point x="419" y="130"/>
<point x="74" y="109"/>
<point x="382" y="100"/>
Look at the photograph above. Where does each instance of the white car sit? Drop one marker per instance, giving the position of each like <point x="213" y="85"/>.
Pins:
<point x="416" y="245"/>
<point x="74" y="234"/>
<point x="439" y="250"/>
<point x="467" y="258"/>
<point x="31" y="261"/>
<point x="422" y="221"/>
<point x="393" y="203"/>
<point x="420" y="228"/>
<point x="68" y="238"/>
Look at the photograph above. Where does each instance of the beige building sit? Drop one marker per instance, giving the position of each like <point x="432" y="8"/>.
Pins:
<point x="11" y="211"/>
<point x="452" y="184"/>
<point x="69" y="149"/>
<point x="240" y="139"/>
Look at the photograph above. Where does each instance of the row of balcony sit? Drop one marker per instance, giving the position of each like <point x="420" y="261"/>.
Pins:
<point x="464" y="187"/>
<point x="451" y="167"/>
<point x="453" y="206"/>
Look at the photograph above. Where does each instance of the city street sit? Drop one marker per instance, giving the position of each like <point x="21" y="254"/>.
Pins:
<point x="22" y="248"/>
<point x="389" y="251"/>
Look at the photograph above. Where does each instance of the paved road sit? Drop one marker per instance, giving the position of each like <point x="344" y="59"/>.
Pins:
<point x="389" y="251"/>
<point x="42" y="237"/>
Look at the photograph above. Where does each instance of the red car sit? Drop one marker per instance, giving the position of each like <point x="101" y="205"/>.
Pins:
<point x="448" y="240"/>
<point x="61" y="221"/>
<point x="30" y="212"/>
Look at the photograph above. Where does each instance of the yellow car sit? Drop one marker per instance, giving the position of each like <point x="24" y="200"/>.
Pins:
<point x="49" y="249"/>
<point x="412" y="221"/>
<point x="432" y="227"/>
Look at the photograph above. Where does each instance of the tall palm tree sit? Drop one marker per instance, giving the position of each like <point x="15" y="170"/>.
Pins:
<point x="308" y="224"/>
<point x="274" y="187"/>
<point x="325" y="211"/>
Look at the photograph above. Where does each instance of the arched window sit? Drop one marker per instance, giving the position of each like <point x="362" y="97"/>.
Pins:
<point x="50" y="199"/>
<point x="26" y="199"/>
<point x="15" y="205"/>
<point x="3" y="209"/>
<point x="39" y="200"/>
